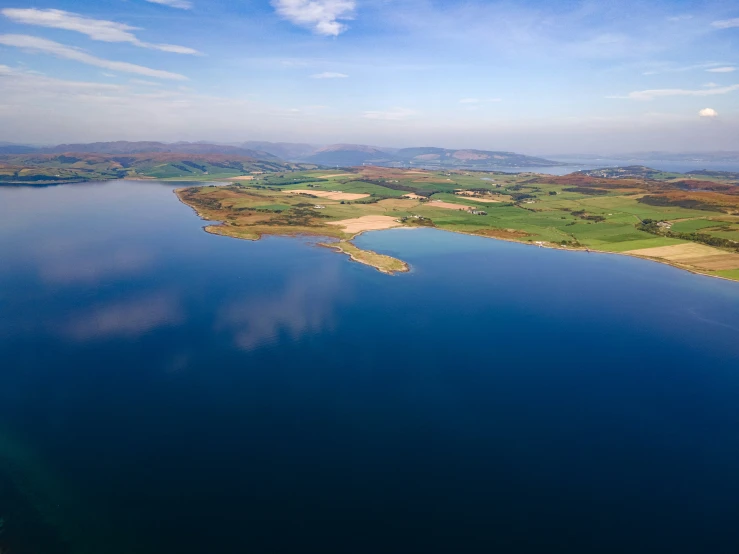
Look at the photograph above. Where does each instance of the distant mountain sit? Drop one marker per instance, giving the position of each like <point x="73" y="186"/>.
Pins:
<point x="470" y="159"/>
<point x="9" y="148"/>
<point x="283" y="150"/>
<point x="345" y="155"/>
<point x="425" y="157"/>
<point x="84" y="166"/>
<point x="141" y="147"/>
<point x="349" y="155"/>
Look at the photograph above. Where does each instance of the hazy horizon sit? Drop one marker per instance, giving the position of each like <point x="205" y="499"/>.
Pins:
<point x="528" y="77"/>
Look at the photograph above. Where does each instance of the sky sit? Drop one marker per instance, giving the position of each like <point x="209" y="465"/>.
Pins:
<point x="536" y="77"/>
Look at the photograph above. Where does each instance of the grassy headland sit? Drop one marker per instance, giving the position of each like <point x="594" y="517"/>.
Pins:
<point x="639" y="216"/>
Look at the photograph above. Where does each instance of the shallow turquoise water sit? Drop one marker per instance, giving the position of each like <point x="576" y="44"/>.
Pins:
<point x="166" y="390"/>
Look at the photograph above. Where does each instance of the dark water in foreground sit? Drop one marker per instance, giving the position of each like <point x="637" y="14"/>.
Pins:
<point x="165" y="390"/>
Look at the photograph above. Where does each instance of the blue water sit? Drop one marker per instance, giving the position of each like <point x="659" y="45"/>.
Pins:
<point x="167" y="390"/>
<point x="679" y="166"/>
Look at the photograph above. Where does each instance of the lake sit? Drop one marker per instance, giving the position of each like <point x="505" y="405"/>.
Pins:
<point x="167" y="390"/>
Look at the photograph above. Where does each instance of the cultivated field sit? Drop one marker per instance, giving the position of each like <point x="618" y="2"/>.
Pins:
<point x="642" y="217"/>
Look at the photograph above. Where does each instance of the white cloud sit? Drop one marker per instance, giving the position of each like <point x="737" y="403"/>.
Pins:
<point x="708" y="112"/>
<point x="394" y="114"/>
<point x="181" y="4"/>
<point x="683" y="17"/>
<point x="329" y="75"/>
<point x="666" y="68"/>
<point x="661" y="93"/>
<point x="322" y="16"/>
<point x="721" y="70"/>
<point x="145" y="83"/>
<point x="36" y="44"/>
<point x="96" y="29"/>
<point x="711" y="85"/>
<point x="726" y="23"/>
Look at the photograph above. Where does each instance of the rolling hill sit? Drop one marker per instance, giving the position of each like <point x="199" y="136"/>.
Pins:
<point x="69" y="167"/>
<point x="141" y="147"/>
<point x="467" y="159"/>
<point x="349" y="155"/>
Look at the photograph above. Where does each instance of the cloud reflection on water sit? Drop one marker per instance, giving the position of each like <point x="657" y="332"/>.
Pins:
<point x="305" y="305"/>
<point x="127" y="319"/>
<point x="92" y="267"/>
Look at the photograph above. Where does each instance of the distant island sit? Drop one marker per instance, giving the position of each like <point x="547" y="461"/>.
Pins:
<point x="676" y="219"/>
<point x="66" y="163"/>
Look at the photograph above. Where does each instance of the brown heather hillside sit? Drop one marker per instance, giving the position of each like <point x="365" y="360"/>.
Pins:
<point x="581" y="180"/>
<point x="695" y="185"/>
<point x="696" y="200"/>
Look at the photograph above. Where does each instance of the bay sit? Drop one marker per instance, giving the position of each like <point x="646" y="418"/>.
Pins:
<point x="167" y="390"/>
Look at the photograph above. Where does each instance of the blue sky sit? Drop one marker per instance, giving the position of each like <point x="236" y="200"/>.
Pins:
<point x="535" y="77"/>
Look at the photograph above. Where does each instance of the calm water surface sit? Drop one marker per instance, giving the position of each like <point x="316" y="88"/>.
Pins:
<point x="166" y="390"/>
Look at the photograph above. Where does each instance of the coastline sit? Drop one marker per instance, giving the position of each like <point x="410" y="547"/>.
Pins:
<point x="211" y="229"/>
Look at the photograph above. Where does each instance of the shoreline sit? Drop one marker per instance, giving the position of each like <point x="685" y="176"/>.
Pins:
<point x="207" y="229"/>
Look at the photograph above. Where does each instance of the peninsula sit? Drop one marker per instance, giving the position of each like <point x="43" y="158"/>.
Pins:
<point x="688" y="221"/>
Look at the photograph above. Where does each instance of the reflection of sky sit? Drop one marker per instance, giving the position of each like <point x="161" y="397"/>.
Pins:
<point x="126" y="318"/>
<point x="123" y="260"/>
<point x="305" y="304"/>
<point x="90" y="263"/>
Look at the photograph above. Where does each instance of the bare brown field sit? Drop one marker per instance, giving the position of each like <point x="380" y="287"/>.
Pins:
<point x="329" y="194"/>
<point x="243" y="178"/>
<point x="366" y="223"/>
<point x="471" y="196"/>
<point x="413" y="196"/>
<point x="448" y="205"/>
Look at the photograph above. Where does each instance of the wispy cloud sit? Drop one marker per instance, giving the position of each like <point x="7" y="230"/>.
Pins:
<point x="478" y="100"/>
<point x="322" y="16"/>
<point x="726" y="23"/>
<point x="145" y="83"/>
<point x="661" y="93"/>
<point x="181" y="4"/>
<point x="36" y="44"/>
<point x="680" y="69"/>
<point x="329" y="75"/>
<point x="96" y="29"/>
<point x="728" y="69"/>
<point x="394" y="114"/>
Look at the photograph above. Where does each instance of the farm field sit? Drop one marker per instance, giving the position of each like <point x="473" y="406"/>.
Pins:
<point x="573" y="212"/>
